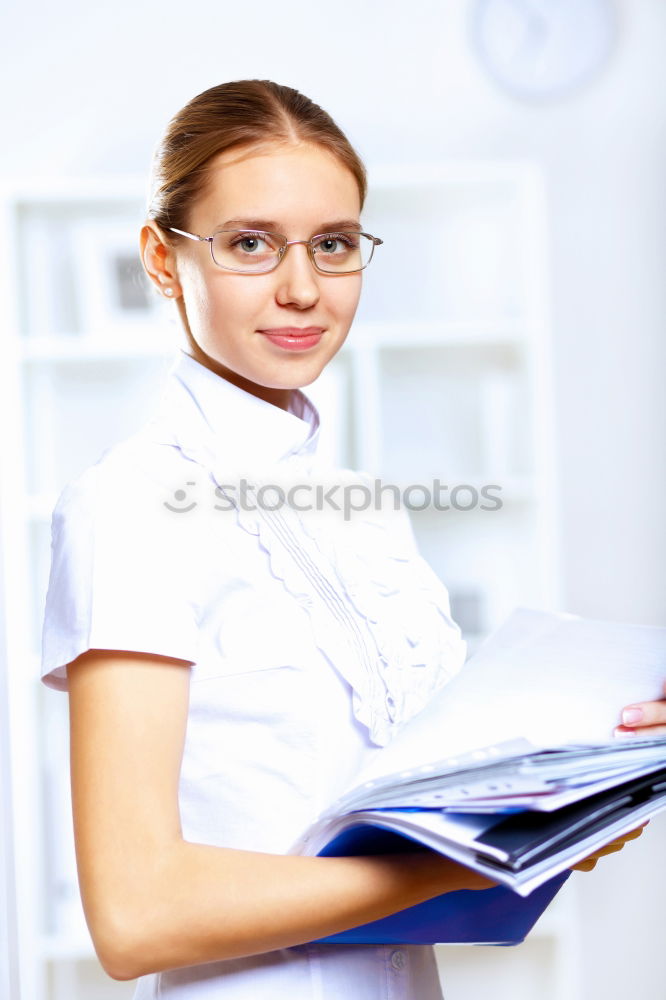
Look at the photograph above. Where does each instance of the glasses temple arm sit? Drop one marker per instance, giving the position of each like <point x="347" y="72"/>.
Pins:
<point x="190" y="236"/>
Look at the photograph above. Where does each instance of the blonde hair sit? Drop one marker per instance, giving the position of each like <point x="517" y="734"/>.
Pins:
<point x="243" y="113"/>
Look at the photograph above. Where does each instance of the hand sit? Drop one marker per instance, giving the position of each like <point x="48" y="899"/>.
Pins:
<point x="644" y="719"/>
<point x="587" y="864"/>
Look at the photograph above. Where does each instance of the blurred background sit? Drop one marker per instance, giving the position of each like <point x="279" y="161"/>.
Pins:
<point x="522" y="144"/>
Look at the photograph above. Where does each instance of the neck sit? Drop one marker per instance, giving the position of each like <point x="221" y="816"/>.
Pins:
<point x="277" y="397"/>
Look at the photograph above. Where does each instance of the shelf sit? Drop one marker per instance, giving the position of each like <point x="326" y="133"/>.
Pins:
<point x="46" y="190"/>
<point x="511" y="173"/>
<point x="76" y="348"/>
<point x="403" y="335"/>
<point x="513" y="489"/>
<point x="143" y="341"/>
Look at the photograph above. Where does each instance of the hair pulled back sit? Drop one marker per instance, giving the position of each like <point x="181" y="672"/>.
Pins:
<point x="229" y="116"/>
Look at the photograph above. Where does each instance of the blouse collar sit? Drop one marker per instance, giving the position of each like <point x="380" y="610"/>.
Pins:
<point x="206" y="413"/>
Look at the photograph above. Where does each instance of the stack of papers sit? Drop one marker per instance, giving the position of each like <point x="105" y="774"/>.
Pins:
<point x="512" y="770"/>
<point x="515" y="813"/>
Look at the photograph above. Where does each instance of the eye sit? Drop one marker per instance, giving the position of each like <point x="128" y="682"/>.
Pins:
<point x="330" y="243"/>
<point x="252" y="243"/>
<point x="246" y="250"/>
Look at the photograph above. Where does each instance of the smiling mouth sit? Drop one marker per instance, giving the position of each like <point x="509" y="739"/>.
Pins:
<point x="294" y="331"/>
<point x="294" y="338"/>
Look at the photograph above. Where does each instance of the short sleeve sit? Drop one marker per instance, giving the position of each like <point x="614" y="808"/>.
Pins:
<point x="121" y="573"/>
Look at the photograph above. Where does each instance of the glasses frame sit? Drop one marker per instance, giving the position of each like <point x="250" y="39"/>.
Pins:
<point x="282" y="252"/>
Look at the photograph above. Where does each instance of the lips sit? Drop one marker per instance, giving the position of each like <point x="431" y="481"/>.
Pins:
<point x="294" y="338"/>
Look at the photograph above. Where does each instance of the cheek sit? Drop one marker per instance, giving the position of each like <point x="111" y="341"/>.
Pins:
<point x="196" y="294"/>
<point x="343" y="296"/>
<point x="235" y="300"/>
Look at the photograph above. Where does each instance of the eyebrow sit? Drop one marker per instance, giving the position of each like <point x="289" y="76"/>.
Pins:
<point x="269" y="225"/>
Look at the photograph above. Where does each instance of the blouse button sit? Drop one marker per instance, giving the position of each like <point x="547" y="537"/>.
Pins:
<point x="390" y="705"/>
<point x="398" y="960"/>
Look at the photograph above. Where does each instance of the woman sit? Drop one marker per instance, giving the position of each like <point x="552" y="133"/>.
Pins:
<point x="230" y="662"/>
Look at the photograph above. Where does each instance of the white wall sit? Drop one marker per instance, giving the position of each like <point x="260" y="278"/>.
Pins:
<point x="88" y="88"/>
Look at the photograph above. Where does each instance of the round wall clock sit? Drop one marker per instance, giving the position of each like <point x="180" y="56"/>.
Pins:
<point x="541" y="49"/>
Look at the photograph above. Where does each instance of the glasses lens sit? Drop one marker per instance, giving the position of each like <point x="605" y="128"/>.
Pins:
<point x="343" y="251"/>
<point x="247" y="251"/>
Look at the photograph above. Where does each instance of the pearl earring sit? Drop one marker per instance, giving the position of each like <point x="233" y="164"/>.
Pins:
<point x="168" y="291"/>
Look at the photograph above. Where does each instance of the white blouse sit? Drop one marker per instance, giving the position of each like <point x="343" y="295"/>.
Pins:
<point x="312" y="634"/>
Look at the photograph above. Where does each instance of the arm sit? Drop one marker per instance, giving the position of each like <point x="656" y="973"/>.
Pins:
<point x="154" y="901"/>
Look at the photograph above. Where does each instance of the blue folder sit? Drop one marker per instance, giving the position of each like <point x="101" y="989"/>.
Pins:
<point x="496" y="916"/>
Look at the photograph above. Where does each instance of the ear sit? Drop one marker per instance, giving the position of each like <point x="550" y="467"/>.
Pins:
<point x="159" y="261"/>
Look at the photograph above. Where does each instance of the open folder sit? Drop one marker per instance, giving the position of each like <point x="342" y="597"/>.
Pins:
<point x="512" y="770"/>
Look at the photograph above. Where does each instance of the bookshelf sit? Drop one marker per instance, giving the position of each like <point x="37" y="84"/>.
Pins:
<point x="445" y="377"/>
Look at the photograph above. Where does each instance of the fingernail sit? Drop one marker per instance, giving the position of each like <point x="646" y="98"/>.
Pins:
<point x="624" y="732"/>
<point x="631" y="716"/>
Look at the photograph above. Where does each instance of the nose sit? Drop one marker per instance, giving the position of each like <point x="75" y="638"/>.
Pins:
<point x="296" y="277"/>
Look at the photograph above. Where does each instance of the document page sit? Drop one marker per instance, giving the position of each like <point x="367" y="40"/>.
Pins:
<point x="550" y="678"/>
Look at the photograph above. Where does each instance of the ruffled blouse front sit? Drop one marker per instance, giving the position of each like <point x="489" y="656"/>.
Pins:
<point x="378" y="612"/>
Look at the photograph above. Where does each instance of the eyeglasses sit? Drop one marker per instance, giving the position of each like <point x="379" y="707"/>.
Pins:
<point x="250" y="251"/>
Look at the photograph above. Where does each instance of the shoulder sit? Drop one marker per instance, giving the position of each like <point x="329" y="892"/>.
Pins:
<point x="125" y="492"/>
<point x="133" y="469"/>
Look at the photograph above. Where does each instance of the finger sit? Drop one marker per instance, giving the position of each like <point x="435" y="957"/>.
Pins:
<point x="612" y="848"/>
<point x="645" y="713"/>
<point x="588" y="863"/>
<point x="645" y="732"/>
<point x="619" y="842"/>
<point x="631" y="834"/>
<point x="585" y="866"/>
<point x="637" y="831"/>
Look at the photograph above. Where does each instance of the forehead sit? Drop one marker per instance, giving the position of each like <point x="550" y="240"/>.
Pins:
<point x="295" y="185"/>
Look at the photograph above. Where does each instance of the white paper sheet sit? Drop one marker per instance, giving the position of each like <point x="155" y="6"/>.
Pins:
<point x="551" y="678"/>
